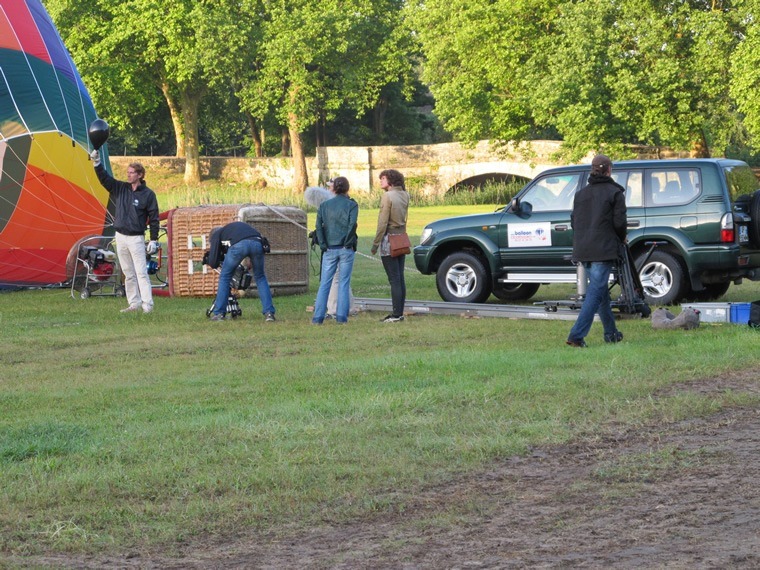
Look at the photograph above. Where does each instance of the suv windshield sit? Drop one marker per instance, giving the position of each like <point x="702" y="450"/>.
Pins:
<point x="553" y="193"/>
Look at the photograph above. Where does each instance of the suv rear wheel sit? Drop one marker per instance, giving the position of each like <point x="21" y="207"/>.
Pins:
<point x="514" y="291"/>
<point x="462" y="278"/>
<point x="711" y="292"/>
<point x="662" y="278"/>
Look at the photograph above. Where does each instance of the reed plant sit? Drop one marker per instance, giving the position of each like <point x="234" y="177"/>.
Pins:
<point x="174" y="196"/>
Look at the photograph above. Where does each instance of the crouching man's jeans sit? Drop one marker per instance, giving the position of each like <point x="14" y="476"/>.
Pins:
<point x="252" y="249"/>
<point x="597" y="300"/>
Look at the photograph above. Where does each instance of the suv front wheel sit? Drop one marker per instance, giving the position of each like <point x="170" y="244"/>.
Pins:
<point x="462" y="278"/>
<point x="662" y="278"/>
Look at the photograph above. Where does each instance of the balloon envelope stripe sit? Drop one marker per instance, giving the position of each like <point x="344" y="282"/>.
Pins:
<point x="11" y="122"/>
<point x="50" y="197"/>
<point x="30" y="163"/>
<point x="20" y="27"/>
<point x="54" y="48"/>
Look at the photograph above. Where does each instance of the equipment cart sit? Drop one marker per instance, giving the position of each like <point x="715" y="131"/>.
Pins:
<point x="631" y="300"/>
<point x="93" y="268"/>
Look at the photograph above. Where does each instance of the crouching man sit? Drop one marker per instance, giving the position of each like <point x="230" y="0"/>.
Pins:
<point x="244" y="241"/>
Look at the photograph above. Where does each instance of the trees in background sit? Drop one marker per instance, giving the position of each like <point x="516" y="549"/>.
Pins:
<point x="135" y="48"/>
<point x="258" y="75"/>
<point x="745" y="71"/>
<point x="316" y="57"/>
<point x="680" y="73"/>
<point x="295" y="62"/>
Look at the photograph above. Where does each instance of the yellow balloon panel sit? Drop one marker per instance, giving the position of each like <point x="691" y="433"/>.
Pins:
<point x="56" y="154"/>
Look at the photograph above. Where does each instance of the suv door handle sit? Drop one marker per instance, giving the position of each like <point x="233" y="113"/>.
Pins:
<point x="560" y="228"/>
<point x="634" y="223"/>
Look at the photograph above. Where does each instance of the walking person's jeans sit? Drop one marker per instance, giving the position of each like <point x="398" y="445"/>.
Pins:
<point x="597" y="300"/>
<point x="341" y="259"/>
<point x="332" y="298"/>
<point x="394" y="268"/>
<point x="252" y="249"/>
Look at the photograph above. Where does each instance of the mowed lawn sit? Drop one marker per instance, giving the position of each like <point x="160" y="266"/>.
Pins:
<point x="128" y="431"/>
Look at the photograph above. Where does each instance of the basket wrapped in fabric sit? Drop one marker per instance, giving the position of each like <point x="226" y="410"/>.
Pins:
<point x="188" y="232"/>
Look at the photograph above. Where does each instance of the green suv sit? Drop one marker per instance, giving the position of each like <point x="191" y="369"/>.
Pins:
<point x="704" y="215"/>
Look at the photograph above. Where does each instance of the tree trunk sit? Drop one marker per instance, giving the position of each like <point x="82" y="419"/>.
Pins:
<point x="285" y="143"/>
<point x="699" y="148"/>
<point x="176" y="115"/>
<point x="301" y="177"/>
<point x="255" y="137"/>
<point x="191" y="101"/>
<point x="378" y="117"/>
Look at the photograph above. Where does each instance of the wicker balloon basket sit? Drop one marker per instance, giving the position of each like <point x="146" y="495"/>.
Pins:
<point x="188" y="232"/>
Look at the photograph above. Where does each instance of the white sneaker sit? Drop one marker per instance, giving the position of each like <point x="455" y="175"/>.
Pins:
<point x="130" y="309"/>
<point x="147" y="308"/>
<point x="393" y="319"/>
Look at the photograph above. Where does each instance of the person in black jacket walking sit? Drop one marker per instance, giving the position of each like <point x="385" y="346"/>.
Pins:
<point x="244" y="241"/>
<point x="136" y="208"/>
<point x="599" y="224"/>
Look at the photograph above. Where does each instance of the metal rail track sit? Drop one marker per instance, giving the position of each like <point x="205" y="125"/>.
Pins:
<point x="470" y="310"/>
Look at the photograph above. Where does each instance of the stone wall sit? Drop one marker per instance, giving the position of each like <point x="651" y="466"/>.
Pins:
<point x="429" y="168"/>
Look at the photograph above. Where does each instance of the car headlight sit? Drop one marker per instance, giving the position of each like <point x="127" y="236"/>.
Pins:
<point x="426" y="233"/>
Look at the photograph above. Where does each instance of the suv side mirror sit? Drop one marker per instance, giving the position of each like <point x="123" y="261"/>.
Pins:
<point x="521" y="209"/>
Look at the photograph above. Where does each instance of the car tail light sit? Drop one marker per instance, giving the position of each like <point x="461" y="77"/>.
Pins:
<point x="727" y="233"/>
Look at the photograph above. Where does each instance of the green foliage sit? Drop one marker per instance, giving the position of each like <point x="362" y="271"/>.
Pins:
<point x="316" y="56"/>
<point x="597" y="72"/>
<point x="123" y="85"/>
<point x="476" y="55"/>
<point x="488" y="193"/>
<point x="745" y="84"/>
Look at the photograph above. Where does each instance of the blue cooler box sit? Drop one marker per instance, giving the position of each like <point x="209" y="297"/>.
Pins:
<point x="740" y="313"/>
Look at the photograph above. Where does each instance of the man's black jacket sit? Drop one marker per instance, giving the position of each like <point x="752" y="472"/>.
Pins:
<point x="599" y="220"/>
<point x="232" y="233"/>
<point x="135" y="209"/>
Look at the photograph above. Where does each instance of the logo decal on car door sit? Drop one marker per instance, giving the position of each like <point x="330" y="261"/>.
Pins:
<point x="529" y="235"/>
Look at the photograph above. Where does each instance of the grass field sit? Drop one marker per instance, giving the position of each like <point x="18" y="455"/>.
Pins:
<point x="144" y="431"/>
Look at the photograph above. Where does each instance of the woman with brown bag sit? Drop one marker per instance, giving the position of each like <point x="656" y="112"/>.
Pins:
<point x="391" y="221"/>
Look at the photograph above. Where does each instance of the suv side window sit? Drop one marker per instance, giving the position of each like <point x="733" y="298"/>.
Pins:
<point x="632" y="181"/>
<point x="673" y="187"/>
<point x="553" y="193"/>
<point x="741" y="181"/>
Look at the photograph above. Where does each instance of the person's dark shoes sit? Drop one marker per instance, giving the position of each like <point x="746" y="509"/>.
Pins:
<point x="393" y="319"/>
<point x="269" y="318"/>
<point x="576" y="343"/>
<point x="215" y="317"/>
<point x="617" y="336"/>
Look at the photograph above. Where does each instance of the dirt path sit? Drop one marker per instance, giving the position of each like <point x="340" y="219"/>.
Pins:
<point x="683" y="495"/>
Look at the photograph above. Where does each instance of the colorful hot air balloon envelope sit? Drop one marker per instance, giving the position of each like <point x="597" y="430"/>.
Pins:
<point x="50" y="197"/>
